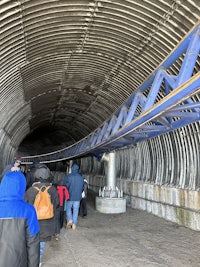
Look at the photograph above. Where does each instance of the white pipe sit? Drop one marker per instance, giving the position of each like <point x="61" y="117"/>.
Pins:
<point x="110" y="169"/>
<point x="111" y="176"/>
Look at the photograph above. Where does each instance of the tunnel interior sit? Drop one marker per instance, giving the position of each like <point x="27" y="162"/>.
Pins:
<point x="66" y="67"/>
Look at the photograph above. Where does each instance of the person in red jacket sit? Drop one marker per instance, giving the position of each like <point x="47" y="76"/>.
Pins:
<point x="63" y="197"/>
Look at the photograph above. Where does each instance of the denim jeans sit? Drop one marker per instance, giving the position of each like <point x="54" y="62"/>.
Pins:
<point x="72" y="211"/>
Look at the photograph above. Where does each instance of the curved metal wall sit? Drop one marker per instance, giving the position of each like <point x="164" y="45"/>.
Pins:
<point x="71" y="64"/>
<point x="171" y="159"/>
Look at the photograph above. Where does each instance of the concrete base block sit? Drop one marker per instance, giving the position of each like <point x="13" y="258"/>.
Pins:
<point x="110" y="205"/>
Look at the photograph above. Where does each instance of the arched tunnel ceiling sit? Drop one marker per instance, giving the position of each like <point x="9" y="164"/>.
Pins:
<point x="66" y="66"/>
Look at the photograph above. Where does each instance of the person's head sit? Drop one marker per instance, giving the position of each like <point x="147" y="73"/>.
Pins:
<point x="42" y="174"/>
<point x="17" y="162"/>
<point x="75" y="167"/>
<point x="13" y="185"/>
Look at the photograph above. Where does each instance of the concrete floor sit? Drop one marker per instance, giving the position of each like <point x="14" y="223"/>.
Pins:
<point x="135" y="238"/>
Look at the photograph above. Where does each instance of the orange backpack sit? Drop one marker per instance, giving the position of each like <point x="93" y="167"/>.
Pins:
<point x="43" y="204"/>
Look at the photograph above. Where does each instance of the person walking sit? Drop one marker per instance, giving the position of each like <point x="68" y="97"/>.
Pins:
<point x="74" y="183"/>
<point x="83" y="203"/>
<point x="47" y="226"/>
<point x="63" y="197"/>
<point x="19" y="235"/>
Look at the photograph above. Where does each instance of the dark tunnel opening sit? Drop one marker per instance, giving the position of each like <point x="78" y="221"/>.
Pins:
<point x="43" y="140"/>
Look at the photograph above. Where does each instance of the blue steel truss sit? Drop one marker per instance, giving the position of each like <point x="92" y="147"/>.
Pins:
<point x="143" y="116"/>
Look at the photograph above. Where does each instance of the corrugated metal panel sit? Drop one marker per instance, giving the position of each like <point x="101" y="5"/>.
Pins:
<point x="82" y="59"/>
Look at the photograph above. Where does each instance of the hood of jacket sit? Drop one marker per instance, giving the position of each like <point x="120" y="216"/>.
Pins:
<point x="75" y="167"/>
<point x="13" y="186"/>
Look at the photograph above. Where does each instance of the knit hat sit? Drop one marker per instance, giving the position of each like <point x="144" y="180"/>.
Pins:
<point x="43" y="173"/>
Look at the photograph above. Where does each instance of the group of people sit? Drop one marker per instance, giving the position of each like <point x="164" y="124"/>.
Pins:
<point x="23" y="235"/>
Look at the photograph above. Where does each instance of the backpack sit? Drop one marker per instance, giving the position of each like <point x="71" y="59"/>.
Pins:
<point x="43" y="204"/>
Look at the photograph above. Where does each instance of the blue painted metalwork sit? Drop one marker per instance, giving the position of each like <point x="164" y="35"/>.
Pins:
<point x="144" y="115"/>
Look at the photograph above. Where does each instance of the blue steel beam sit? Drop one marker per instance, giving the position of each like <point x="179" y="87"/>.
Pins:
<point x="143" y="116"/>
<point x="174" y="98"/>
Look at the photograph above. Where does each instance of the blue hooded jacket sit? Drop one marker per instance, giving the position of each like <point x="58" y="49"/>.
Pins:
<point x="75" y="184"/>
<point x="19" y="235"/>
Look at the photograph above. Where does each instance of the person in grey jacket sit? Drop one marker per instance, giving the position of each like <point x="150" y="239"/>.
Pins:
<point x="74" y="183"/>
<point x="19" y="234"/>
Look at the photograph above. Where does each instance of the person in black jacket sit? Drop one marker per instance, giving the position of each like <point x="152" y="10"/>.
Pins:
<point x="47" y="226"/>
<point x="83" y="203"/>
<point x="19" y="234"/>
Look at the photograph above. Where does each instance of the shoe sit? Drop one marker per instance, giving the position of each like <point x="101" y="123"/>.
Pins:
<point x="84" y="216"/>
<point x="73" y="227"/>
<point x="69" y="224"/>
<point x="57" y="237"/>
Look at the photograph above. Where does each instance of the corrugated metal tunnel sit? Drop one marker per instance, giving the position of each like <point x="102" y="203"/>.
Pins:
<point x="66" y="66"/>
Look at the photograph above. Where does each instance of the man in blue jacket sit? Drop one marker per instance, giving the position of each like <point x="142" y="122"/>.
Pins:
<point x="19" y="234"/>
<point x="75" y="185"/>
